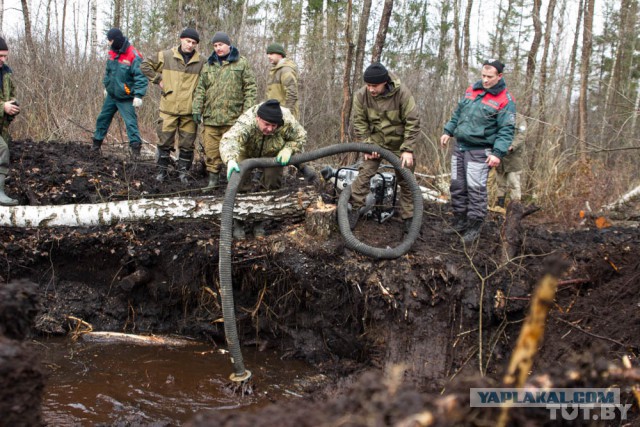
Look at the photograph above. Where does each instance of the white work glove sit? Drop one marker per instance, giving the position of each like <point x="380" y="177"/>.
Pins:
<point x="137" y="102"/>
<point x="232" y="167"/>
<point x="105" y="93"/>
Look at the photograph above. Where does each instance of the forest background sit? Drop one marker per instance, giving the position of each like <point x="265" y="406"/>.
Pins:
<point x="577" y="84"/>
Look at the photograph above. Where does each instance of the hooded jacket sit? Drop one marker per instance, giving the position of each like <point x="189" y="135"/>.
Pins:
<point x="123" y="79"/>
<point x="283" y="84"/>
<point x="389" y="120"/>
<point x="484" y="118"/>
<point x="225" y="89"/>
<point x="178" y="79"/>
<point x="245" y="140"/>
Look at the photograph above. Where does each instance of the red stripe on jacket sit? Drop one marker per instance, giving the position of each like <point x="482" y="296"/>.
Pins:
<point x="497" y="102"/>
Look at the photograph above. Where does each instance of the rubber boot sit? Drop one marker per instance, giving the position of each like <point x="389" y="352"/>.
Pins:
<point x="214" y="181"/>
<point x="184" y="164"/>
<point x="4" y="199"/>
<point x="136" y="150"/>
<point x="458" y="225"/>
<point x="163" y="164"/>
<point x="97" y="145"/>
<point x="500" y="202"/>
<point x="473" y="231"/>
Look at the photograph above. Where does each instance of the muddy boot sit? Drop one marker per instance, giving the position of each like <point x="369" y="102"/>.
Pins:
<point x="97" y="145"/>
<point x="238" y="230"/>
<point x="4" y="199"/>
<point x="214" y="181"/>
<point x="499" y="206"/>
<point x="258" y="229"/>
<point x="163" y="164"/>
<point x="458" y="225"/>
<point x="184" y="164"/>
<point x="136" y="150"/>
<point x="473" y="231"/>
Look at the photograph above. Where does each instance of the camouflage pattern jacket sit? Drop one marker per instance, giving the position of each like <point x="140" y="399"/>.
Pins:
<point x="225" y="89"/>
<point x="513" y="161"/>
<point x="8" y="94"/>
<point x="283" y="84"/>
<point x="389" y="120"/>
<point x="178" y="79"/>
<point x="245" y="140"/>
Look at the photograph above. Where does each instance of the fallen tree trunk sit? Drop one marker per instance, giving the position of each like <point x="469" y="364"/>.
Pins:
<point x="249" y="207"/>
<point x="626" y="198"/>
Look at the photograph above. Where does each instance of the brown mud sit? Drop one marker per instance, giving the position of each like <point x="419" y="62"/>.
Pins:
<point x="398" y="340"/>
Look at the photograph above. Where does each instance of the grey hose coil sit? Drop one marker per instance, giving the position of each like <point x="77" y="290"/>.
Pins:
<point x="226" y="224"/>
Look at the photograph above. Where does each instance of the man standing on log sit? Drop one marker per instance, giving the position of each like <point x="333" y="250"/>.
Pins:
<point x="483" y="125"/>
<point x="9" y="111"/>
<point x="124" y="87"/>
<point x="384" y="114"/>
<point x="176" y="72"/>
<point x="265" y="130"/>
<point x="283" y="78"/>
<point x="226" y="88"/>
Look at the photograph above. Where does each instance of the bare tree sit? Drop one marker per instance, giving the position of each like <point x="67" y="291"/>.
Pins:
<point x="1" y="16"/>
<point x="382" y="31"/>
<point x="118" y="7"/>
<point x="62" y="31"/>
<point x="572" y="68"/>
<point x="27" y="26"/>
<point x="94" y="31"/>
<point x="346" y="87"/>
<point x="531" y="57"/>
<point x="466" y="39"/>
<point x="361" y="43"/>
<point x="587" y="46"/>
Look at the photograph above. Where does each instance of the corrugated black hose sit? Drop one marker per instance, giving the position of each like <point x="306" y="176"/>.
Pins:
<point x="228" y="310"/>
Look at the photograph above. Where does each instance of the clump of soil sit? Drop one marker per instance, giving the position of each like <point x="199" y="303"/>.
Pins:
<point x="415" y="318"/>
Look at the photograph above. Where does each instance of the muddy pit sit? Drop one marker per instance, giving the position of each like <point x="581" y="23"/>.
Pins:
<point x="387" y="342"/>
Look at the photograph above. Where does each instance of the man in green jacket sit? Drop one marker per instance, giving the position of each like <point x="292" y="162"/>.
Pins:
<point x="8" y="112"/>
<point x="176" y="72"/>
<point x="124" y="87"/>
<point x="226" y="88"/>
<point x="283" y="78"/>
<point x="483" y="125"/>
<point x="384" y="114"/>
<point x="265" y="130"/>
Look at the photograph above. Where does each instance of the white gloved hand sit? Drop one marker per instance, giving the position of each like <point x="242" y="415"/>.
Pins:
<point x="137" y="102"/>
<point x="105" y="93"/>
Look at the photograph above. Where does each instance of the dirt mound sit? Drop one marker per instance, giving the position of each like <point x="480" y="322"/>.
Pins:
<point x="316" y="300"/>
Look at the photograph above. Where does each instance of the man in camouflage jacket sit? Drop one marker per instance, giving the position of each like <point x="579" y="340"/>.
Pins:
<point x="265" y="130"/>
<point x="283" y="78"/>
<point x="226" y="88"/>
<point x="8" y="112"/>
<point x="384" y="114"/>
<point x="176" y="72"/>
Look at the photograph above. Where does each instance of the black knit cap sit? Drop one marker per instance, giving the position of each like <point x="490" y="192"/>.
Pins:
<point x="190" y="33"/>
<point x="221" y="37"/>
<point x="3" y="44"/>
<point x="495" y="63"/>
<point x="270" y="111"/>
<point x="116" y="38"/>
<point x="375" y="74"/>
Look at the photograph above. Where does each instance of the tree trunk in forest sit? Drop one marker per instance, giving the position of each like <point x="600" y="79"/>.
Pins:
<point x="382" y="31"/>
<point x="1" y="16"/>
<point x="47" y="28"/>
<point x="27" y="27"/>
<point x="62" y="31"/>
<point x="467" y="37"/>
<point x="572" y="69"/>
<point x="531" y="57"/>
<point x="443" y="42"/>
<point x="94" y="30"/>
<point x="117" y="13"/>
<point x="587" y="44"/>
<point x="361" y="44"/>
<point x="457" y="40"/>
<point x="346" y="79"/>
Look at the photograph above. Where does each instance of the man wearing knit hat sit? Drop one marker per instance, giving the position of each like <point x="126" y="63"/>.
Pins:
<point x="384" y="114"/>
<point x="8" y="112"/>
<point x="176" y="73"/>
<point x="124" y="87"/>
<point x="226" y="88"/>
<point x="265" y="130"/>
<point x="283" y="78"/>
<point x="483" y="125"/>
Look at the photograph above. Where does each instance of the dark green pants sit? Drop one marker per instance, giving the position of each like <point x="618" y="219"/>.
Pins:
<point x="128" y="113"/>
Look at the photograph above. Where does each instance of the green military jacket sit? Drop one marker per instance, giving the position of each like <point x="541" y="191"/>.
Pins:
<point x="178" y="79"/>
<point x="283" y="84"/>
<point x="8" y="94"/>
<point x="245" y="140"/>
<point x="389" y="120"/>
<point x="513" y="161"/>
<point x="225" y="90"/>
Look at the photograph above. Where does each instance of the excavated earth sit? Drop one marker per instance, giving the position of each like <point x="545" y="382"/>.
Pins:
<point x="396" y="340"/>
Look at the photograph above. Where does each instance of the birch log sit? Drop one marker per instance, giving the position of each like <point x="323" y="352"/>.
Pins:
<point x="251" y="206"/>
<point x="626" y="198"/>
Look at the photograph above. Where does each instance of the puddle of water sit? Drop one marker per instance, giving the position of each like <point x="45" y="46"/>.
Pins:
<point x="92" y="383"/>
